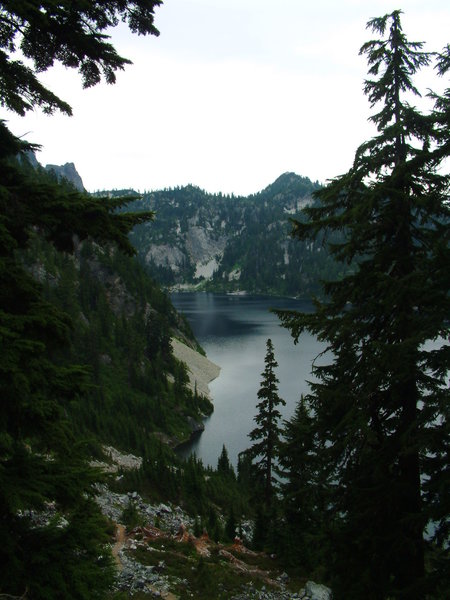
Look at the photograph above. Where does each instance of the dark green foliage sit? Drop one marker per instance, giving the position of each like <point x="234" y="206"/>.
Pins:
<point x="211" y="577"/>
<point x="197" y="527"/>
<point x="70" y="562"/>
<point x="303" y="494"/>
<point x="251" y="232"/>
<point x="30" y="200"/>
<point x="130" y="516"/>
<point x="122" y="328"/>
<point x="157" y="336"/>
<point x="84" y="334"/>
<point x="43" y="468"/>
<point x="194" y="486"/>
<point x="259" y="540"/>
<point x="204" y="577"/>
<point x="48" y="32"/>
<point x="214" y="527"/>
<point x="53" y="534"/>
<point x="224" y="467"/>
<point x="380" y="405"/>
<point x="230" y="526"/>
<point x="204" y="493"/>
<point x="266" y="436"/>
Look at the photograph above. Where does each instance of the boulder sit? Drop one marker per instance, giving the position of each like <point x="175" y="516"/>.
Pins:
<point x="317" y="591"/>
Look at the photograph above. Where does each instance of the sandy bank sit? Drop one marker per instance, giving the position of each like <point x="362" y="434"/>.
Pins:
<point x="201" y="370"/>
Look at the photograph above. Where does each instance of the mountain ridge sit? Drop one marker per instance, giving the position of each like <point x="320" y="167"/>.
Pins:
<point x="226" y="243"/>
<point x="201" y="241"/>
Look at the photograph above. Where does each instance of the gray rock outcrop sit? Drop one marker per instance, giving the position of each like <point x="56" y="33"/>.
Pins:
<point x="201" y="371"/>
<point x="67" y="172"/>
<point x="316" y="591"/>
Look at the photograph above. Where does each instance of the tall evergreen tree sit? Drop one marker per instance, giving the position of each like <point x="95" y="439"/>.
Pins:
<point x="304" y="497"/>
<point x="224" y="467"/>
<point x="266" y="435"/>
<point x="45" y="483"/>
<point x="381" y="404"/>
<point x="53" y="535"/>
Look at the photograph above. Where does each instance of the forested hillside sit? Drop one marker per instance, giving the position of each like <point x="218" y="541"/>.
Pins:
<point x="122" y="324"/>
<point x="352" y="490"/>
<point x="125" y="391"/>
<point x="230" y="243"/>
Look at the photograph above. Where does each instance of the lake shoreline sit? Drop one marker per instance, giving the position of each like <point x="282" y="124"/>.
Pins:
<point x="201" y="370"/>
<point x="233" y="331"/>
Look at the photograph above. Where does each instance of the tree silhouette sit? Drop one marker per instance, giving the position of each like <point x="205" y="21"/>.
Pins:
<point x="381" y="404"/>
<point x="53" y="535"/>
<point x="266" y="435"/>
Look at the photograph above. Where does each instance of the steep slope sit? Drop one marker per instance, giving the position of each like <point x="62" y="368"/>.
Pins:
<point x="123" y="325"/>
<point x="124" y="330"/>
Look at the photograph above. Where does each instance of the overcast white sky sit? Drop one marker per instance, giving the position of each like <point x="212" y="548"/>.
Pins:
<point x="232" y="94"/>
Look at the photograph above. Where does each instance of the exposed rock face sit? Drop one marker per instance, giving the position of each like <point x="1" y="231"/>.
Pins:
<point x="198" y="248"/>
<point x="311" y="591"/>
<point x="201" y="371"/>
<point x="207" y="269"/>
<point x="120" y="300"/>
<point x="166" y="256"/>
<point x="227" y="243"/>
<point x="31" y="157"/>
<point x="68" y="172"/>
<point x="118" y="461"/>
<point x="205" y="250"/>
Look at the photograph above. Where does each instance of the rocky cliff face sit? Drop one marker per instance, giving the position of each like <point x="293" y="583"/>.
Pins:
<point x="67" y="172"/>
<point x="228" y="243"/>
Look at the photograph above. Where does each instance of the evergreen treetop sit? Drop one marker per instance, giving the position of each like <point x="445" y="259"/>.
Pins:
<point x="224" y="467"/>
<point x="70" y="33"/>
<point x="266" y="434"/>
<point x="381" y="404"/>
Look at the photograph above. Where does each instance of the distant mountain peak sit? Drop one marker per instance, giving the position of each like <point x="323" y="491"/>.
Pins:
<point x="290" y="183"/>
<point x="67" y="172"/>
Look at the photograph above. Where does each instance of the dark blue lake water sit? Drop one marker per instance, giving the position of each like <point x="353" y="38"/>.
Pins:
<point x="233" y="330"/>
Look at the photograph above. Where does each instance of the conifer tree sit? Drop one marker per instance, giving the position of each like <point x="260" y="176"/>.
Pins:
<point x="230" y="526"/>
<point x="73" y="35"/>
<point x="53" y="535"/>
<point x="303" y="493"/>
<point x="381" y="405"/>
<point x="44" y="476"/>
<point x="266" y="435"/>
<point x="224" y="467"/>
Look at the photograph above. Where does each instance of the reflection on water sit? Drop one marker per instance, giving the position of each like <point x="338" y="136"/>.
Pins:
<point x="233" y="331"/>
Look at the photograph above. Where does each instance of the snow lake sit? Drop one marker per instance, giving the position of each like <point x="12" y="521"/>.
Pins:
<point x="233" y="331"/>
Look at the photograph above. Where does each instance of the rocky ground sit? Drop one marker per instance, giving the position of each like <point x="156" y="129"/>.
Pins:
<point x="161" y="558"/>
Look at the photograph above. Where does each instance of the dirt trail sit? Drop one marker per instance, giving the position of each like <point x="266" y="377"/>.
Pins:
<point x="120" y="540"/>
